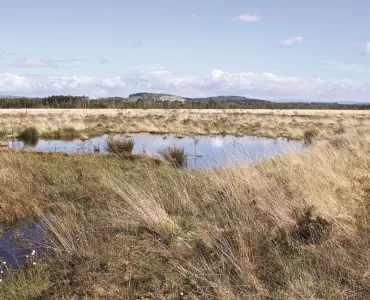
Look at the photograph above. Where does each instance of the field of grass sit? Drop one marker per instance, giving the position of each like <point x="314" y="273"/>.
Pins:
<point x="131" y="227"/>
<point x="71" y="123"/>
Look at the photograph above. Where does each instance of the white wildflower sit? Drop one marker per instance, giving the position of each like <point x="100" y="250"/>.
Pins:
<point x="34" y="263"/>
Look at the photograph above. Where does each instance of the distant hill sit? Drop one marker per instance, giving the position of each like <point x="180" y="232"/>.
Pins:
<point x="153" y="97"/>
<point x="238" y="100"/>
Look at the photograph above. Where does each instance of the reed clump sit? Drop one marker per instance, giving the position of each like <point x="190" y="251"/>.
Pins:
<point x="176" y="156"/>
<point x="120" y="145"/>
<point x="29" y="135"/>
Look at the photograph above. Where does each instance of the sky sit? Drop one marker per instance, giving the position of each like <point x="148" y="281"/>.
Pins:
<point x="316" y="50"/>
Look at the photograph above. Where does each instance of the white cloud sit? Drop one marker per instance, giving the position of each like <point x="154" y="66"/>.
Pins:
<point x="366" y="50"/>
<point x="291" y="42"/>
<point x="39" y="63"/>
<point x="247" y="18"/>
<point x="216" y="82"/>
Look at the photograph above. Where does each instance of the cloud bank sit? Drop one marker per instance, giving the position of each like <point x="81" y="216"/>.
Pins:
<point x="217" y="82"/>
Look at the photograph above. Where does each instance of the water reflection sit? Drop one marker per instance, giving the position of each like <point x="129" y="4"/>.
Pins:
<point x="14" y="246"/>
<point x="203" y="151"/>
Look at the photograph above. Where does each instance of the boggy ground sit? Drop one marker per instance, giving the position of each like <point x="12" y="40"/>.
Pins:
<point x="294" y="227"/>
<point x="72" y="123"/>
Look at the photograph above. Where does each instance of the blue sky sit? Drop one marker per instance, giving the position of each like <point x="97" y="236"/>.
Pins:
<point x="309" y="50"/>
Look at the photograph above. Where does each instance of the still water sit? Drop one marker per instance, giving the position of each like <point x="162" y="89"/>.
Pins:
<point x="14" y="247"/>
<point x="203" y="151"/>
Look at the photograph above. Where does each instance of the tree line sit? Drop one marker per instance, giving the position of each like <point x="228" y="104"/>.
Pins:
<point x="75" y="102"/>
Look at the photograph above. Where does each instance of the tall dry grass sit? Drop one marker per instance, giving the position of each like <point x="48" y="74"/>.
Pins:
<point x="293" y="227"/>
<point x="32" y="183"/>
<point x="267" y="123"/>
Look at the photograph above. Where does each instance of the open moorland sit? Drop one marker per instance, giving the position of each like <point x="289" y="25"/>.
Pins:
<point x="125" y="226"/>
<point x="268" y="123"/>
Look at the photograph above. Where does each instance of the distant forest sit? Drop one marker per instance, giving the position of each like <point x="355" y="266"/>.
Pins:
<point x="223" y="102"/>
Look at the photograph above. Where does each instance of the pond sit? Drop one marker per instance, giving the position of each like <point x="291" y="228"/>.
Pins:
<point x="202" y="151"/>
<point x="15" y="245"/>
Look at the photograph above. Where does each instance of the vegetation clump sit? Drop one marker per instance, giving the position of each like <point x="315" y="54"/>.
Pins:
<point x="3" y="134"/>
<point x="29" y="136"/>
<point x="312" y="230"/>
<point x="65" y="133"/>
<point x="175" y="155"/>
<point x="120" y="145"/>
<point x="310" y="135"/>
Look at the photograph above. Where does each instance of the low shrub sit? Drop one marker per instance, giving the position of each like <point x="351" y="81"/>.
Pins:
<point x="30" y="135"/>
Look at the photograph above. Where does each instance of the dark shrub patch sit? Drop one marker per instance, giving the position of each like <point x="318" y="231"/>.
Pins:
<point x="3" y="134"/>
<point x="29" y="136"/>
<point x="310" y="135"/>
<point x="312" y="230"/>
